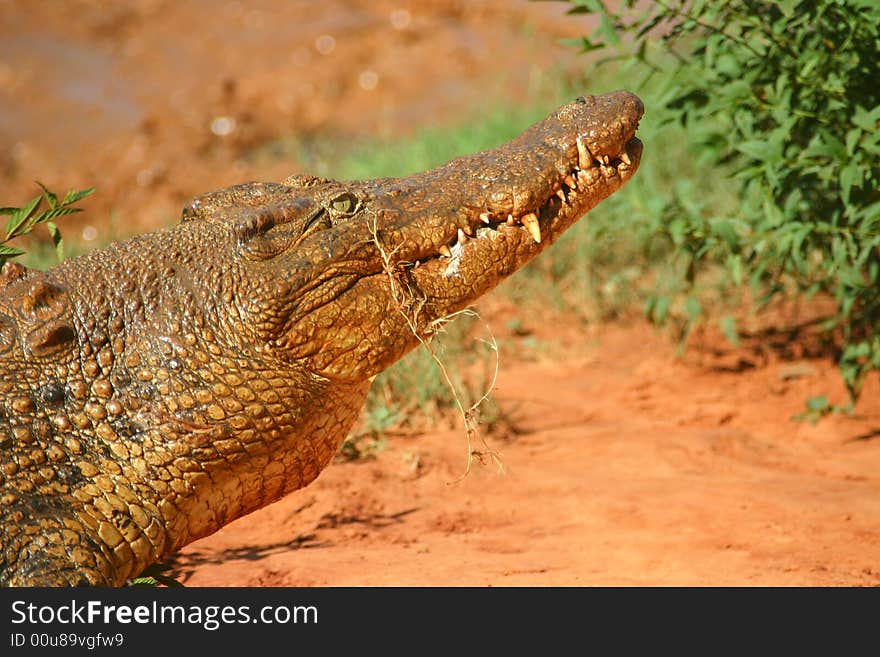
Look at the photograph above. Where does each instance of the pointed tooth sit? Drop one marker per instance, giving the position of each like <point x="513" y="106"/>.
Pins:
<point x="561" y="195"/>
<point x="485" y="217"/>
<point x="510" y="220"/>
<point x="530" y="221"/>
<point x="570" y="182"/>
<point x="468" y="231"/>
<point x="624" y="157"/>
<point x="462" y="238"/>
<point x="585" y="157"/>
<point x="416" y="265"/>
<point x="445" y="252"/>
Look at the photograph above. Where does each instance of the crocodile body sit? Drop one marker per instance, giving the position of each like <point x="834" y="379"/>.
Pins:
<point x="154" y="391"/>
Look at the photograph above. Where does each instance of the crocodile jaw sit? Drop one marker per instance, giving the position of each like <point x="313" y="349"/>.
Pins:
<point x="486" y="254"/>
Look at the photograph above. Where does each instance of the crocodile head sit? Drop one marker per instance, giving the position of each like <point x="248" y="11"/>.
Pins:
<point x="354" y="269"/>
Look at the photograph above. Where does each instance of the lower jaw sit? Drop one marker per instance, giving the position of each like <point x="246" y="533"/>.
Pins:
<point x="494" y="252"/>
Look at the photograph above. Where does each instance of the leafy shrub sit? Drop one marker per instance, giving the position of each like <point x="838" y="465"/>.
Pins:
<point x="784" y="97"/>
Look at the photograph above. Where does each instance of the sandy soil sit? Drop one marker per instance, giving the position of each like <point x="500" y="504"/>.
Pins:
<point x="625" y="464"/>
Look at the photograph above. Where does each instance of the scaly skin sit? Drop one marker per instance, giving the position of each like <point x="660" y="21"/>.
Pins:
<point x="156" y="390"/>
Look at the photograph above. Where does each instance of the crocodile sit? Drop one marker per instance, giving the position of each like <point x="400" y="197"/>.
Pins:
<point x="155" y="390"/>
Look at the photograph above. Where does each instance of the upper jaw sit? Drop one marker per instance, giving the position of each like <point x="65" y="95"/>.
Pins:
<point x="567" y="194"/>
<point x="531" y="188"/>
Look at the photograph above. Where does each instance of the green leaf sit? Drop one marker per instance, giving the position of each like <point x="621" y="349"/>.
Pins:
<point x="657" y="309"/>
<point x="48" y="215"/>
<point x="780" y="105"/>
<point x="56" y="239"/>
<point x="9" y="251"/>
<point x="692" y="308"/>
<point x="867" y="121"/>
<point x="728" y="328"/>
<point x="20" y="216"/>
<point x="819" y="403"/>
<point x="608" y="30"/>
<point x="51" y="198"/>
<point x="724" y="229"/>
<point x="22" y="220"/>
<point x="765" y="151"/>
<point x="73" y="197"/>
<point x="155" y="575"/>
<point x="852" y="138"/>
<point x="736" y="269"/>
<point x="850" y="175"/>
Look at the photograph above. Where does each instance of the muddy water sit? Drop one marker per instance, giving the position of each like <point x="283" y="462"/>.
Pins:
<point x="89" y="98"/>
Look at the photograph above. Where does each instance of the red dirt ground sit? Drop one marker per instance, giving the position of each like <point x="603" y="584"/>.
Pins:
<point x="624" y="463"/>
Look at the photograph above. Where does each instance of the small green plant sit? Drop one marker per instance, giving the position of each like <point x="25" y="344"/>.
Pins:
<point x="369" y="438"/>
<point x="818" y="407"/>
<point x="780" y="100"/>
<point x="25" y="219"/>
<point x="155" y="575"/>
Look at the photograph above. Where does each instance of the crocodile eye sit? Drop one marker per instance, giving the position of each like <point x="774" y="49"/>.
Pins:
<point x="344" y="204"/>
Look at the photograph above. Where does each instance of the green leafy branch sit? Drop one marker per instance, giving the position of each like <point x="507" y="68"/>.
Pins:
<point x="780" y="99"/>
<point x="42" y="209"/>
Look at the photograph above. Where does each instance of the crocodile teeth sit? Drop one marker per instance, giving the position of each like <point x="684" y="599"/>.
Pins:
<point x="462" y="238"/>
<point x="468" y="231"/>
<point x="485" y="217"/>
<point x="510" y="220"/>
<point x="530" y="221"/>
<point x="570" y="182"/>
<point x="585" y="157"/>
<point x="561" y="195"/>
<point x="624" y="157"/>
<point x="445" y="252"/>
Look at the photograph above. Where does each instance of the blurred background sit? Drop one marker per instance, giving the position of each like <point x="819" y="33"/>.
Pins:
<point x="156" y="101"/>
